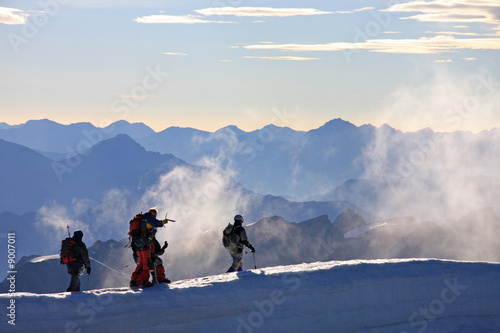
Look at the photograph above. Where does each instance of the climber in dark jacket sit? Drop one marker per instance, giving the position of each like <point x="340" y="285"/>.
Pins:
<point x="76" y="268"/>
<point x="242" y="240"/>
<point x="156" y="252"/>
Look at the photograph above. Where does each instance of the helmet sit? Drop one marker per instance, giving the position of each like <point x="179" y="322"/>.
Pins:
<point x="239" y="218"/>
<point x="153" y="211"/>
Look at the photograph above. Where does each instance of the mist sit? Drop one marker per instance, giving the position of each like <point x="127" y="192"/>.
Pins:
<point x="440" y="176"/>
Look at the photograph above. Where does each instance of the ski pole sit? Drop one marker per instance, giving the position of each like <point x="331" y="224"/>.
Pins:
<point x="88" y="281"/>
<point x="254" y="266"/>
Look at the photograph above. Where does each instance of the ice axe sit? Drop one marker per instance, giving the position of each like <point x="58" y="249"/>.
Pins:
<point x="168" y="220"/>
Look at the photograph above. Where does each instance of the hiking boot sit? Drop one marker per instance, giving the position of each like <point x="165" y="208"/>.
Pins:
<point x="133" y="283"/>
<point x="164" y="281"/>
<point x="147" y="284"/>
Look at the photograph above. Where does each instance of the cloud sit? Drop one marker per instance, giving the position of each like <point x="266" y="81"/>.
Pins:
<point x="480" y="11"/>
<point x="355" y="10"/>
<point x="457" y="33"/>
<point x="12" y="16"/>
<point x="175" y="53"/>
<point x="172" y="19"/>
<point x="260" y="11"/>
<point x="238" y="12"/>
<point x="437" y="44"/>
<point x="447" y="60"/>
<point x="282" y="58"/>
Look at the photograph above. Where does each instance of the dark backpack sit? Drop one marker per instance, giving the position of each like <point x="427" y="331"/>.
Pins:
<point x="230" y="237"/>
<point x="69" y="251"/>
<point x="136" y="226"/>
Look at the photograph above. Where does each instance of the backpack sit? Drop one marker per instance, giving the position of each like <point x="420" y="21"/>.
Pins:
<point x="69" y="251"/>
<point x="230" y="238"/>
<point x="135" y="227"/>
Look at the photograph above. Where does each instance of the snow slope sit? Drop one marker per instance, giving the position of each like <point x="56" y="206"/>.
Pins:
<point x="362" y="296"/>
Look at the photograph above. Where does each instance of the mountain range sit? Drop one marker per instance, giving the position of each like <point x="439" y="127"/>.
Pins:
<point x="30" y="180"/>
<point x="384" y="170"/>
<point x="96" y="179"/>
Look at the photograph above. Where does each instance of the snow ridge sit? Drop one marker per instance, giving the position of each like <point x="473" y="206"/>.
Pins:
<point x="398" y="295"/>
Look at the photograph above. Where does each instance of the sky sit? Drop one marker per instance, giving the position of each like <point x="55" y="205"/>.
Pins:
<point x="209" y="64"/>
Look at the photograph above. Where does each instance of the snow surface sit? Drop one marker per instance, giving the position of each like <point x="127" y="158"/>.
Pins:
<point x="44" y="258"/>
<point x="398" y="295"/>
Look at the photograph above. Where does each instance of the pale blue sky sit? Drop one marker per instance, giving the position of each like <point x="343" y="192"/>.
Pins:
<point x="208" y="64"/>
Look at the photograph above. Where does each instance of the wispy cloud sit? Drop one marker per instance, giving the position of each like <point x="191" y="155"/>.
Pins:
<point x="437" y="44"/>
<point x="260" y="11"/>
<point x="456" y="33"/>
<point x="444" y="60"/>
<point x="172" y="19"/>
<point x="354" y="11"/>
<point x="175" y="53"/>
<point x="290" y="58"/>
<point x="462" y="11"/>
<point x="12" y="16"/>
<point x="238" y="12"/>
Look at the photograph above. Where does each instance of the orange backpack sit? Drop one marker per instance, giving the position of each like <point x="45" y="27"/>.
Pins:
<point x="68" y="251"/>
<point x="135" y="228"/>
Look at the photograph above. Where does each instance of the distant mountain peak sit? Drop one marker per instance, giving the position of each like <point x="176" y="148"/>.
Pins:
<point x="348" y="220"/>
<point x="336" y="125"/>
<point x="38" y="122"/>
<point x="230" y="128"/>
<point x="119" y="139"/>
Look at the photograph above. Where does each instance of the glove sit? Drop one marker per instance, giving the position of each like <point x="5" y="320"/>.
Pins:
<point x="163" y="222"/>
<point x="252" y="249"/>
<point x="165" y="246"/>
<point x="88" y="270"/>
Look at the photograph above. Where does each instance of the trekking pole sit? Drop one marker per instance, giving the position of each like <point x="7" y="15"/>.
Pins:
<point x="254" y="266"/>
<point x="88" y="281"/>
<point x="67" y="226"/>
<point x="155" y="276"/>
